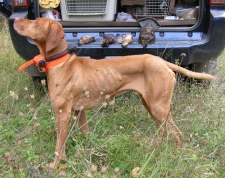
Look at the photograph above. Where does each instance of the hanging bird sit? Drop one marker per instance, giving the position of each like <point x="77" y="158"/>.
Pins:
<point x="107" y="40"/>
<point x="125" y="40"/>
<point x="86" y="40"/>
<point x="147" y="34"/>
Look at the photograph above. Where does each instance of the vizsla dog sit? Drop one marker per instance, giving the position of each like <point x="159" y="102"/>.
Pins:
<point x="78" y="84"/>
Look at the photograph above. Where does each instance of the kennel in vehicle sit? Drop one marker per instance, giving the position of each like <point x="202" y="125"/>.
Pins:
<point x="152" y="8"/>
<point x="88" y="10"/>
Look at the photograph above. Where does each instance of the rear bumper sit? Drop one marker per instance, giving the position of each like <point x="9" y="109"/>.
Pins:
<point x="199" y="46"/>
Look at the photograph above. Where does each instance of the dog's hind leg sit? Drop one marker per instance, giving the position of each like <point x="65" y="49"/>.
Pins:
<point x="82" y="121"/>
<point x="157" y="100"/>
<point x="164" y="122"/>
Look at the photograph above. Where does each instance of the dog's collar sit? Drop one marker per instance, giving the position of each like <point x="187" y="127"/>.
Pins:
<point x="56" y="56"/>
<point x="49" y="62"/>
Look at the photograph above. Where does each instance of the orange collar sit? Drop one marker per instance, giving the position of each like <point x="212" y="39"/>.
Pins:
<point x="41" y="63"/>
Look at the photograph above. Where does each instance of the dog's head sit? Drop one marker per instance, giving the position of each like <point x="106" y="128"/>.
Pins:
<point x="46" y="33"/>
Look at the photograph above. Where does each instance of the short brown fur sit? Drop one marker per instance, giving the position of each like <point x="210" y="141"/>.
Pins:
<point x="81" y="84"/>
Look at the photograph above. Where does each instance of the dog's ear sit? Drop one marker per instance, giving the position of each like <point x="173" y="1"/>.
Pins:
<point x="54" y="37"/>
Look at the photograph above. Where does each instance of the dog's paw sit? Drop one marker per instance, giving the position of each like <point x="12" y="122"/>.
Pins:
<point x="52" y="166"/>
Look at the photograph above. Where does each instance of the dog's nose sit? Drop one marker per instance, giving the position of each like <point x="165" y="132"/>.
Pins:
<point x="17" y="19"/>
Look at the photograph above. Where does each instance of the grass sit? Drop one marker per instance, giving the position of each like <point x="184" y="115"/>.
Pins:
<point x="121" y="136"/>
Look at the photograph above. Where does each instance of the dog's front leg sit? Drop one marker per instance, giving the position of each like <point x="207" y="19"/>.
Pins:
<point x="62" y="127"/>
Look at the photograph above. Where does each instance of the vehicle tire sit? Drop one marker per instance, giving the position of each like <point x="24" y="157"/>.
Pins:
<point x="38" y="84"/>
<point x="206" y="67"/>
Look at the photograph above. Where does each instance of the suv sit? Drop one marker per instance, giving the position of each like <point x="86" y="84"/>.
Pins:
<point x="5" y="8"/>
<point x="197" y="31"/>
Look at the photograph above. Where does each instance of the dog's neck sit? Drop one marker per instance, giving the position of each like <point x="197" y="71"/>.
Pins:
<point x="60" y="48"/>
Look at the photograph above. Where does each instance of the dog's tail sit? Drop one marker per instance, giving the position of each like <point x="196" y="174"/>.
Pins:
<point x="188" y="73"/>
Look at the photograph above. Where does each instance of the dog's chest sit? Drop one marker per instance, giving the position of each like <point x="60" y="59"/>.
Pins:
<point x="95" y="89"/>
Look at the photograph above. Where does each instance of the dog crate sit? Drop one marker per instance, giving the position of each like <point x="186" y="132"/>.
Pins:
<point x="88" y="10"/>
<point x="152" y="8"/>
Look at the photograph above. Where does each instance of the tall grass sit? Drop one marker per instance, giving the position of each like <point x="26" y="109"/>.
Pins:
<point x="122" y="136"/>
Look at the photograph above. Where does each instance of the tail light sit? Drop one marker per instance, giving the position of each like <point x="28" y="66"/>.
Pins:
<point x="19" y="3"/>
<point x="214" y="2"/>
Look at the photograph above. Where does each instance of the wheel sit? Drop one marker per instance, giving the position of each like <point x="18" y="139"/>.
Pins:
<point x="38" y="83"/>
<point x="206" y="67"/>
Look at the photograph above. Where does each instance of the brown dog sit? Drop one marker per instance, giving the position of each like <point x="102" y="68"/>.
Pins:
<point x="81" y="84"/>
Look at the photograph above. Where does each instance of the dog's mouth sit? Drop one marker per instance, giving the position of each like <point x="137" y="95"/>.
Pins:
<point x="30" y="41"/>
